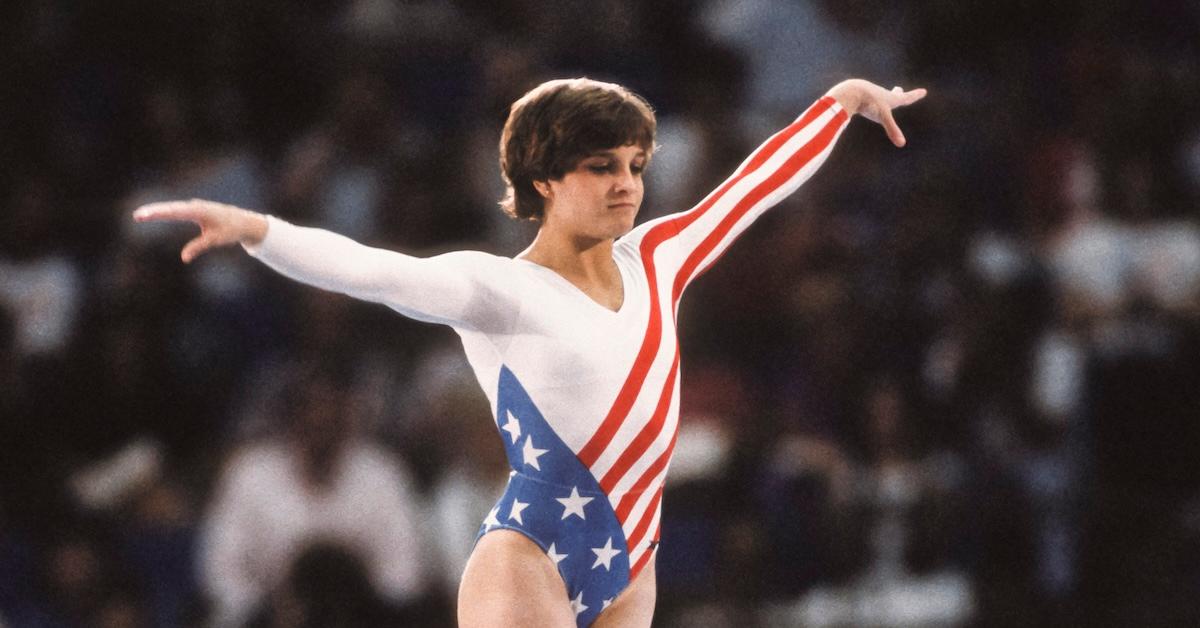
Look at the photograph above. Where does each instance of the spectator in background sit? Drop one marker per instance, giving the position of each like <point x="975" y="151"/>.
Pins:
<point x="335" y="174"/>
<point x="15" y="554"/>
<point x="474" y="473"/>
<point x="792" y="48"/>
<point x="81" y="581"/>
<point x="158" y="538"/>
<point x="907" y="493"/>
<point x="321" y="480"/>
<point x="41" y="284"/>
<point x="327" y="586"/>
<point x="12" y="395"/>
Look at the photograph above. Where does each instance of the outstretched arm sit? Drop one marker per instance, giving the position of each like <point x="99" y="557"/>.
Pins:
<point x="774" y="170"/>
<point x="458" y="289"/>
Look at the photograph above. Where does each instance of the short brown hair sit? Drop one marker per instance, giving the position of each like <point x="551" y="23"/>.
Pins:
<point x="558" y="123"/>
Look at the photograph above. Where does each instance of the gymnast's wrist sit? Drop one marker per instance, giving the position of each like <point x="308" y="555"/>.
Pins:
<point x="252" y="227"/>
<point x="848" y="94"/>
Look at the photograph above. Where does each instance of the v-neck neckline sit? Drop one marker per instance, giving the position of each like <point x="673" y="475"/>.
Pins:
<point x="579" y="291"/>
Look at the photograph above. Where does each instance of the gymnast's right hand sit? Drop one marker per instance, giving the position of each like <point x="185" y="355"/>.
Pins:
<point x="220" y="224"/>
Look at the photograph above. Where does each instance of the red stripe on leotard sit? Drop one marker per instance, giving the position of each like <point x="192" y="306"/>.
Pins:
<point x="657" y="235"/>
<point x="794" y="164"/>
<point x="641" y="442"/>
<point x="646" y="436"/>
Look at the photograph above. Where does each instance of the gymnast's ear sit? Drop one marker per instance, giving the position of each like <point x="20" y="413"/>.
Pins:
<point x="543" y="188"/>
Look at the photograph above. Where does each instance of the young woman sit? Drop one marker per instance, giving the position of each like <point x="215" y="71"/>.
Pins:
<point x="573" y="340"/>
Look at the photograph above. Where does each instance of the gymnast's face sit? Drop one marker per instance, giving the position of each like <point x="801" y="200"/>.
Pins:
<point x="600" y="198"/>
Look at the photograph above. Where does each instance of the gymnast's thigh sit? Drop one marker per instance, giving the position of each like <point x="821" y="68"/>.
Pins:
<point x="509" y="581"/>
<point x="634" y="607"/>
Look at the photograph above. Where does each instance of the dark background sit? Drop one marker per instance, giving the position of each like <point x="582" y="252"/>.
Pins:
<point x="953" y="384"/>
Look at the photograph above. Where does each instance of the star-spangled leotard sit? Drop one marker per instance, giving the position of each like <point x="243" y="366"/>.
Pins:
<point x="586" y="399"/>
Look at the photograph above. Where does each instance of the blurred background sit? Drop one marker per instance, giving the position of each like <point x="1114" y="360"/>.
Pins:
<point x="956" y="384"/>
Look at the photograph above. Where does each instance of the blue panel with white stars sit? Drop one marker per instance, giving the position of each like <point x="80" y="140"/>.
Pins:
<point x="555" y="501"/>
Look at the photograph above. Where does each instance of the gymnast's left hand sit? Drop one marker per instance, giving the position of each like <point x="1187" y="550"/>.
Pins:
<point x="875" y="103"/>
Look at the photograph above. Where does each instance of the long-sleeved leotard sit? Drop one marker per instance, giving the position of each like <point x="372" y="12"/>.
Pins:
<point x="586" y="398"/>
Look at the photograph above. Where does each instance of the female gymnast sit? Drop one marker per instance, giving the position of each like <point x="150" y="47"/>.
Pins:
<point x="573" y="340"/>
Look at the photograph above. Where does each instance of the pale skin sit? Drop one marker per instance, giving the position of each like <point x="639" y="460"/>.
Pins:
<point x="508" y="580"/>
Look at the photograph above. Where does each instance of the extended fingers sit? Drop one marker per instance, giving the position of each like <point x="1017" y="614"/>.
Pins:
<point x="913" y="96"/>
<point x="195" y="247"/>
<point x="890" y="127"/>
<point x="897" y="97"/>
<point x="169" y="210"/>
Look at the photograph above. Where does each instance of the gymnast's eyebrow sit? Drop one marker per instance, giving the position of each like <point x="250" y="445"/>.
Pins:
<point x="612" y="153"/>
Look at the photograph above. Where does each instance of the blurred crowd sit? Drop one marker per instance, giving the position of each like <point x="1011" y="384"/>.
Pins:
<point x="954" y="384"/>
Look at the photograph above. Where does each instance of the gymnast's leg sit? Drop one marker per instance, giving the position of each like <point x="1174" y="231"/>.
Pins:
<point x="634" y="607"/>
<point x="509" y="581"/>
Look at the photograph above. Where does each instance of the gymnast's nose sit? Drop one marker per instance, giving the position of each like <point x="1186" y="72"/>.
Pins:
<point x="625" y="182"/>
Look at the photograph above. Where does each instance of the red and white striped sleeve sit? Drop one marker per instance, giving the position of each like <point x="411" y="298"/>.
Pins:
<point x="697" y="237"/>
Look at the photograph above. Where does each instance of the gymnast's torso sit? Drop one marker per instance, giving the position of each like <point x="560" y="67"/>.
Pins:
<point x="586" y="403"/>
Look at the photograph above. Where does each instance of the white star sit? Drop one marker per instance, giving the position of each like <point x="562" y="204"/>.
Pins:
<point x="577" y="604"/>
<point x="604" y="555"/>
<point x="491" y="518"/>
<point x="512" y="427"/>
<point x="530" y="454"/>
<point x="573" y="504"/>
<point x="555" y="556"/>
<point x="517" y="507"/>
<point x="606" y="603"/>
